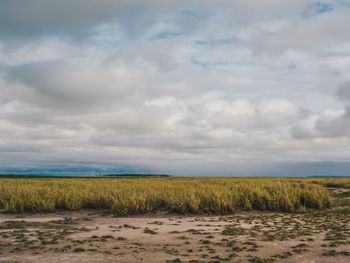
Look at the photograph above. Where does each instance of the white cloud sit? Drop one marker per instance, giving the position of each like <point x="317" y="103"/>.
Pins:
<point x="161" y="85"/>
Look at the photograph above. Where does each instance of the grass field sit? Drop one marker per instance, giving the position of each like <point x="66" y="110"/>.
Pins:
<point x="128" y="196"/>
<point x="211" y="220"/>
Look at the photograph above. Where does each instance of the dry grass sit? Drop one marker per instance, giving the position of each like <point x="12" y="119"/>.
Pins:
<point x="180" y="195"/>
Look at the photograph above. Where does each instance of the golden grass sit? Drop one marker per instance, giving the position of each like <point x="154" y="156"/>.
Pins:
<point x="126" y="196"/>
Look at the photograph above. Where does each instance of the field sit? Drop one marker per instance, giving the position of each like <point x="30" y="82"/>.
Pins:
<point x="180" y="195"/>
<point x="174" y="220"/>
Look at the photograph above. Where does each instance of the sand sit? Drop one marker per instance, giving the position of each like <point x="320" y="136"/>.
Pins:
<point x="90" y="236"/>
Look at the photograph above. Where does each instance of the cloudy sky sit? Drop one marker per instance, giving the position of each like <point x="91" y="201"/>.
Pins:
<point x="239" y="87"/>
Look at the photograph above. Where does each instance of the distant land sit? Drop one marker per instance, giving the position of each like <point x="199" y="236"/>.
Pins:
<point x="13" y="175"/>
<point x="76" y="171"/>
<point x="137" y="175"/>
<point x="81" y="176"/>
<point x="330" y="176"/>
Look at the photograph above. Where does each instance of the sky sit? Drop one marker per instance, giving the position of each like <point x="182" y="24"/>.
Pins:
<point x="239" y="87"/>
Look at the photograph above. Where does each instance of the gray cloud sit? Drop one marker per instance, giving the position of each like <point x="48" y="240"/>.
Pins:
<point x="343" y="92"/>
<point x="58" y="84"/>
<point x="78" y="17"/>
<point x="36" y="17"/>
<point x="330" y="123"/>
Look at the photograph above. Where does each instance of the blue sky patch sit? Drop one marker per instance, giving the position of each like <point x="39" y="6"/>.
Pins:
<point x="318" y="8"/>
<point x="166" y="34"/>
<point x="187" y="12"/>
<point x="324" y="7"/>
<point x="216" y="42"/>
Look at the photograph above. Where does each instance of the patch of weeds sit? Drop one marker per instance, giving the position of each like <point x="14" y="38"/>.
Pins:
<point x="149" y="231"/>
<point x="176" y="260"/>
<point x="65" y="221"/>
<point x="130" y="226"/>
<point x="79" y="249"/>
<point x="107" y="237"/>
<point x="300" y="248"/>
<point x="194" y="231"/>
<point x="233" y="231"/>
<point x="333" y="253"/>
<point x="283" y="255"/>
<point x="156" y="223"/>
<point x="182" y="237"/>
<point x="260" y="260"/>
<point x="330" y="253"/>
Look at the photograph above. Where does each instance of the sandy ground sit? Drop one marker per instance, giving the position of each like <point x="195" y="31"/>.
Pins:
<point x="247" y="237"/>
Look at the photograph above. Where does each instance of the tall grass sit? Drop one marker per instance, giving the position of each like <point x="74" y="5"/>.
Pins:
<point x="143" y="195"/>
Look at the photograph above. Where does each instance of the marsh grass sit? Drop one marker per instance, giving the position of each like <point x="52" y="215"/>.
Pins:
<point x="178" y="195"/>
